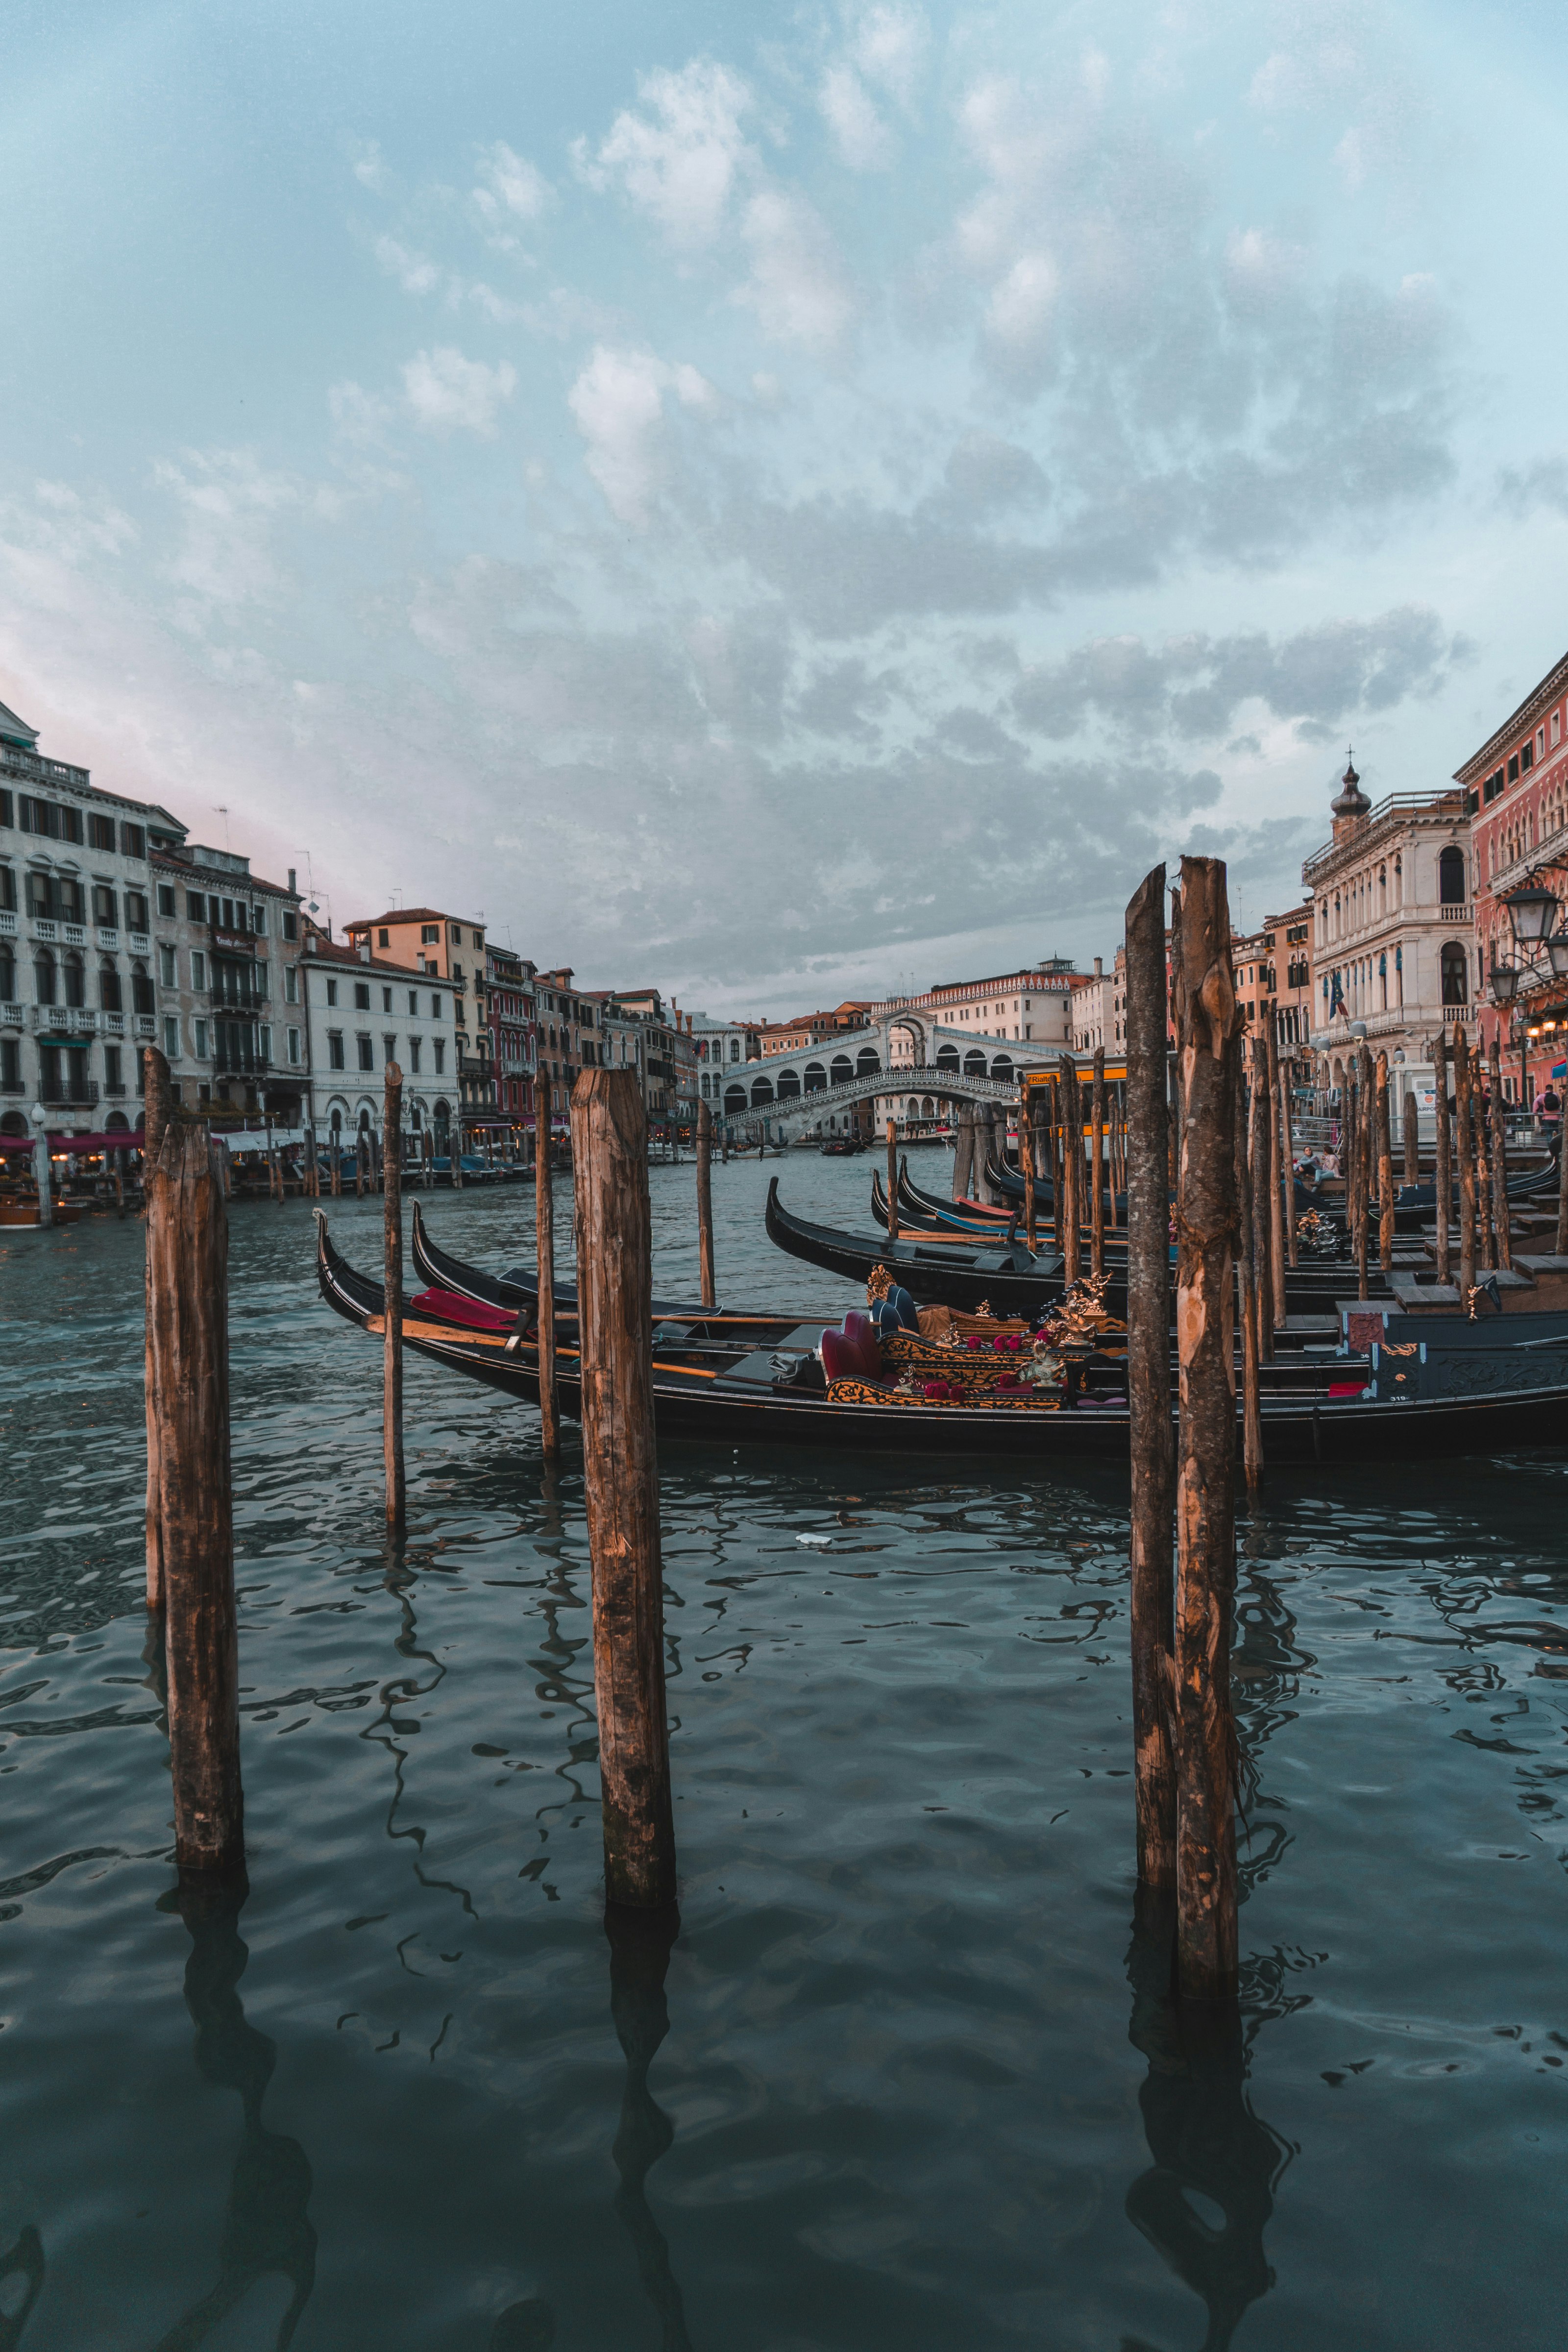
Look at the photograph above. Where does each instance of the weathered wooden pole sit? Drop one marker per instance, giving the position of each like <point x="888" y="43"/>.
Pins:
<point x="1276" y="1189"/>
<point x="544" y="1254"/>
<point x="41" y="1172"/>
<point x="1444" y="1183"/>
<point x="361" y="1153"/>
<point x="1385" y="1170"/>
<point x="1206" y="1504"/>
<point x="335" y="1173"/>
<point x="187" y="1368"/>
<point x="1097" y="1165"/>
<point x="1464" y="1138"/>
<point x="455" y="1148"/>
<point x="1027" y="1163"/>
<point x="311" y="1177"/>
<point x="1501" y="1224"/>
<point x="1072" y="1168"/>
<point x="1153" y="1451"/>
<point x="705" y="1205"/>
<point x="1058" y="1169"/>
<point x="156" y="1100"/>
<point x="1410" y="1126"/>
<point x="1288" y="1157"/>
<point x="1363" y="1127"/>
<point x="615" y="1322"/>
<point x="1258" y="1123"/>
<point x="892" y="1179"/>
<point x="391" y="1283"/>
<point x="1486" y="1251"/>
<point x="1248" y="1290"/>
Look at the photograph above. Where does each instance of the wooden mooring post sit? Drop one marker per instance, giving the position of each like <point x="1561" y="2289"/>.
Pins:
<point x="1410" y="1136"/>
<point x="1361" y="1152"/>
<point x="705" y="1205"/>
<point x="190" y="1499"/>
<point x="1501" y="1226"/>
<point x="1247" y="1292"/>
<point x="1027" y="1163"/>
<point x="544" y="1254"/>
<point x="391" y="1306"/>
<point x="1096" y="1166"/>
<point x="1207" y="1020"/>
<point x="1444" y="1174"/>
<point x="1072" y="1168"/>
<point x="1384" y="1168"/>
<point x="1276" y="1188"/>
<point x="1154" y="1452"/>
<point x="1287" y="1159"/>
<point x="1259" y="1163"/>
<point x="892" y="1179"/>
<point x="1464" y="1144"/>
<point x="614" y="1312"/>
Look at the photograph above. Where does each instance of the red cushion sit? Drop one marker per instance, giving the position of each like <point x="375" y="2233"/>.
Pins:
<point x="861" y="1334"/>
<point x="450" y="1306"/>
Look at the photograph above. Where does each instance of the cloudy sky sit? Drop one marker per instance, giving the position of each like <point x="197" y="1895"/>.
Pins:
<point x="777" y="502"/>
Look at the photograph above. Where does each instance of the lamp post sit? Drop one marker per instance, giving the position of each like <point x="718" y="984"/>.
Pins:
<point x="1532" y="912"/>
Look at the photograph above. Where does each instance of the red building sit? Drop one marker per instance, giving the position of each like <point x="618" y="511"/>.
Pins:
<point x="514" y="1034"/>
<point x="1517" y="786"/>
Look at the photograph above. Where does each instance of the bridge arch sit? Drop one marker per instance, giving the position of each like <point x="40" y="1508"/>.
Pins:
<point x="762" y="1093"/>
<point x="842" y="1068"/>
<point x="734" y="1101"/>
<point x="975" y="1063"/>
<point x="867" y="1061"/>
<point x="815" y="1077"/>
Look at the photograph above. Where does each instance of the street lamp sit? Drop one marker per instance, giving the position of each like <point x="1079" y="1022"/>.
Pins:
<point x="1532" y="911"/>
<point x="1557" y="954"/>
<point x="1505" y="982"/>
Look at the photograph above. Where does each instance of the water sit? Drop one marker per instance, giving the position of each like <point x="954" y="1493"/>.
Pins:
<point x="916" y="2089"/>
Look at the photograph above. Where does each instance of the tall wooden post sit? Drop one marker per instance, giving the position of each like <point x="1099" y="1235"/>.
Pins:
<point x="187" y="1368"/>
<point x="1072" y="1166"/>
<point x="1410" y="1130"/>
<point x="156" y="1103"/>
<point x="455" y="1146"/>
<point x="614" y="1321"/>
<point x="1027" y="1163"/>
<point x="335" y="1173"/>
<point x="1364" y="1126"/>
<point x="1059" y="1170"/>
<point x="1097" y="1165"/>
<point x="1259" y="1129"/>
<point x="1445" y="1183"/>
<point x="544" y="1252"/>
<point x="1207" y="1020"/>
<point x="1287" y="1159"/>
<point x="1247" y="1288"/>
<point x="892" y="1179"/>
<point x="1153" y="1451"/>
<point x="392" y="1283"/>
<point x="1464" y="1138"/>
<point x="705" y="1205"/>
<point x="41" y="1172"/>
<point x="1486" y="1253"/>
<point x="1501" y="1225"/>
<point x="1385" y="1170"/>
<point x="1276" y="1189"/>
<point x="361" y="1153"/>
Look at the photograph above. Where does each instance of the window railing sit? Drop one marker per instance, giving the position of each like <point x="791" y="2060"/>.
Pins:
<point x="108" y="935"/>
<point x="139" y="943"/>
<point x="7" y="924"/>
<point x="67" y="1094"/>
<point x="12" y="1016"/>
<point x="70" y="1020"/>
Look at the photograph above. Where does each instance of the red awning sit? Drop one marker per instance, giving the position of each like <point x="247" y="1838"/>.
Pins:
<point x="115" y="1140"/>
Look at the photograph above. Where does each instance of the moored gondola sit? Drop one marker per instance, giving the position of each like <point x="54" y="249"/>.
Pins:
<point x="717" y="1382"/>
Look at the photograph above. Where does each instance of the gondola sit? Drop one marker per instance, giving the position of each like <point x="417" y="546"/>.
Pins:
<point x="730" y="1381"/>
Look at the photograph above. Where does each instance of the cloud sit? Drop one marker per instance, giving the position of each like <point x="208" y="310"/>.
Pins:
<point x="863" y="139"/>
<point x="447" y="392"/>
<point x="677" y="161"/>
<point x="228" y="504"/>
<point x="1194" y="687"/>
<point x="889" y="45"/>
<point x="368" y="167"/>
<point x="797" y="285"/>
<point x="1523" y="489"/>
<point x="617" y="406"/>
<point x="413" y="272"/>
<point x="511" y="190"/>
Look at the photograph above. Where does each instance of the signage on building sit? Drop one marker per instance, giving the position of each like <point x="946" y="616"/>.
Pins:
<point x="238" y="942"/>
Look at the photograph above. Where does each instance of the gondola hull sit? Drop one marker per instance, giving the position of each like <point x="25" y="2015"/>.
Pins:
<point x="712" y="1411"/>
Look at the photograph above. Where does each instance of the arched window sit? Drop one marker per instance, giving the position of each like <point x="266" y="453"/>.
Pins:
<point x="1456" y="972"/>
<point x="1001" y="1067"/>
<point x="927" y="1109"/>
<point x="140" y="989"/>
<point x="1451" y="881"/>
<point x="75" y="979"/>
<point x="7" y="973"/>
<point x="789" y="1086"/>
<point x="443" y="1116"/>
<point x="336" y="1123"/>
<point x="44" y="976"/>
<point x="762" y="1093"/>
<point x="109" y="985"/>
<point x="974" y="1062"/>
<point x="842" y="1069"/>
<point x="734" y="1100"/>
<point x="867" y="1061"/>
<point x="815" y="1077"/>
<point x="947" y="1057"/>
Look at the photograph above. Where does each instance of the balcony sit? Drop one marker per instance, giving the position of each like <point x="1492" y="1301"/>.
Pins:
<point x="112" y="1025"/>
<point x="7" y="924"/>
<point x="12" y="1016"/>
<point x="43" y="928"/>
<point x="65" y="1020"/>
<point x="107" y="936"/>
<point x="146" y="1025"/>
<point x="17" y="763"/>
<point x="139" y="943"/>
<point x="69" y="1094"/>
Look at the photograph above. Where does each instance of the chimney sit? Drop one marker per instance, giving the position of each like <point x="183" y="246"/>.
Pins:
<point x="1099" y="969"/>
<point x="364" y="949"/>
<point x="293" y="886"/>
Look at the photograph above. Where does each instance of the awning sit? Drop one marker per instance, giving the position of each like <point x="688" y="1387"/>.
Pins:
<point x="114" y="1140"/>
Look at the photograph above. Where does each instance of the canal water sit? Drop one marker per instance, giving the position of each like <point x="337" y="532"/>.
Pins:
<point x="906" y="2078"/>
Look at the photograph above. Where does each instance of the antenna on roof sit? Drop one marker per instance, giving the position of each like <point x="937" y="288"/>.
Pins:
<point x="220" y="808"/>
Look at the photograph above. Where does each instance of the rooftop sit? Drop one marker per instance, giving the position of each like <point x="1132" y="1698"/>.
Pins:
<point x="410" y="914"/>
<point x="1517" y="723"/>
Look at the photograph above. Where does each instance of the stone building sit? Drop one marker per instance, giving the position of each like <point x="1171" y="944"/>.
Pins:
<point x="231" y="1021"/>
<point x="1033" y="1005"/>
<point x="568" y="1022"/>
<point x="1393" y="938"/>
<point x="509" y="993"/>
<point x="1517" y="787"/>
<point x="361" y="1011"/>
<point x="1097" y="1007"/>
<point x="453" y="947"/>
<point x="77" y="976"/>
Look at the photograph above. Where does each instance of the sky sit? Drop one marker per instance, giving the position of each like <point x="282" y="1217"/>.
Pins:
<point x="777" y="503"/>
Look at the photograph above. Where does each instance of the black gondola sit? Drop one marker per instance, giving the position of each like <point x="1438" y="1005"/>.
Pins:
<point x="731" y="1380"/>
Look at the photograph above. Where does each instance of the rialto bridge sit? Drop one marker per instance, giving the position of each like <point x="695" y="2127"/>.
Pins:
<point x="906" y="1057"/>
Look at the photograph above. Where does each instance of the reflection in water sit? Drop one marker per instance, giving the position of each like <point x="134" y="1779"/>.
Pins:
<point x="640" y="1946"/>
<point x="524" y="2327"/>
<point x="21" y="2284"/>
<point x="265" y="2231"/>
<point x="1206" y="2141"/>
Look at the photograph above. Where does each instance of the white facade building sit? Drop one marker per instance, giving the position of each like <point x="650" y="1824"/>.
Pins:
<point x="231" y="1020"/>
<point x="1393" y="943"/>
<point x="361" y="1013"/>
